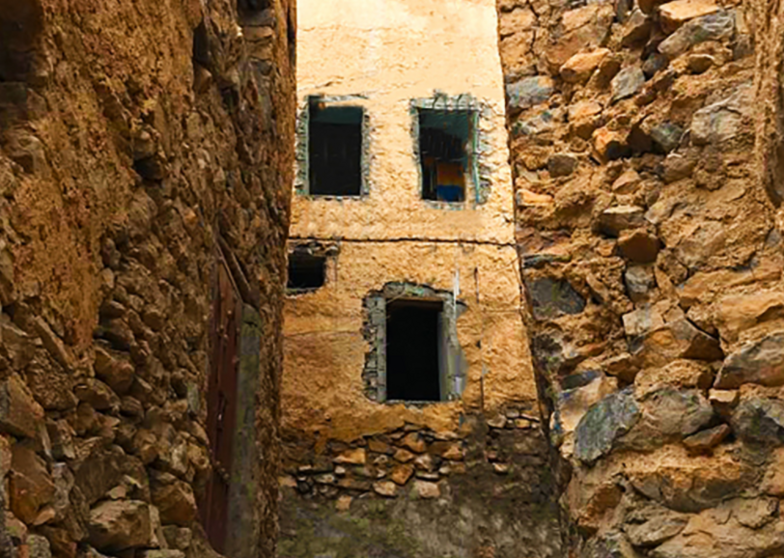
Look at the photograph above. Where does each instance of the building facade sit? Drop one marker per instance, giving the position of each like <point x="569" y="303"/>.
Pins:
<point x="409" y="402"/>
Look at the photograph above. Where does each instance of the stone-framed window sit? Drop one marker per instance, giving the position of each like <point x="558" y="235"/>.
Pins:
<point x="405" y="322"/>
<point x="333" y="147"/>
<point x="449" y="134"/>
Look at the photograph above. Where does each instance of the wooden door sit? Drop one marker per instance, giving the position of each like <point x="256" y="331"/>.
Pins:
<point x="221" y="404"/>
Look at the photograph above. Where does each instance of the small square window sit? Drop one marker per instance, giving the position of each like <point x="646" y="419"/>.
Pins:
<point x="443" y="155"/>
<point x="306" y="272"/>
<point x="415" y="350"/>
<point x="334" y="149"/>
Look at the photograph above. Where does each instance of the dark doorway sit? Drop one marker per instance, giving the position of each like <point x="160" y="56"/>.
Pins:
<point x="334" y="150"/>
<point x="413" y="348"/>
<point x="443" y="158"/>
<point x="306" y="271"/>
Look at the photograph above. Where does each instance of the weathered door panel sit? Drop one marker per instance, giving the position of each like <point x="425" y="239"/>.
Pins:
<point x="221" y="405"/>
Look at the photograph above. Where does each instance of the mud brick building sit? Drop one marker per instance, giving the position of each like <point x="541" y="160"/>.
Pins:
<point x="410" y="421"/>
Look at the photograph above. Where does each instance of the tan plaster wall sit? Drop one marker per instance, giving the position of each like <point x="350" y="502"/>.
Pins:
<point x="325" y="350"/>
<point x="389" y="52"/>
<point x="392" y="51"/>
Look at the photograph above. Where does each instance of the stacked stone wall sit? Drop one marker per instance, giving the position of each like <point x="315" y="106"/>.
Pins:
<point x="645" y="144"/>
<point x="484" y="490"/>
<point x="138" y="141"/>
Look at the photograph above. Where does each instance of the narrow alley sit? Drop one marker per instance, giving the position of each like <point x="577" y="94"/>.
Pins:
<point x="391" y="279"/>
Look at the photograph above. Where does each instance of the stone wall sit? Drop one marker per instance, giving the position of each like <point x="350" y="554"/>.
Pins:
<point x="135" y="138"/>
<point x="651" y="251"/>
<point x="487" y="490"/>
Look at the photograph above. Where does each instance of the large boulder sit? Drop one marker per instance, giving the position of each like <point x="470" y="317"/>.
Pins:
<point x="173" y="498"/>
<point x="759" y="362"/>
<point x="678" y="339"/>
<point x="98" y="472"/>
<point x="118" y="372"/>
<point x="529" y="91"/>
<point x="674" y="14"/>
<point x="551" y="298"/>
<point x="760" y="420"/>
<point x="740" y="527"/>
<point x="580" y="391"/>
<point x="681" y="373"/>
<point x="713" y="27"/>
<point x="97" y="394"/>
<point x="581" y="28"/>
<point x="627" y="83"/>
<point x="737" y="313"/>
<point x="639" y="246"/>
<point x="614" y="220"/>
<point x="604" y="423"/>
<point x="580" y="66"/>
<point x="50" y="384"/>
<point x="119" y="525"/>
<point x="721" y="121"/>
<point x="640" y="322"/>
<point x="674" y="479"/>
<point x="651" y="525"/>
<point x="669" y="414"/>
<point x="31" y="486"/>
<point x="20" y="415"/>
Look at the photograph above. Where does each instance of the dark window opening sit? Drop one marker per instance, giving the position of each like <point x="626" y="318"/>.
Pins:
<point x="335" y="150"/>
<point x="306" y="271"/>
<point x="413" y="350"/>
<point x="443" y="158"/>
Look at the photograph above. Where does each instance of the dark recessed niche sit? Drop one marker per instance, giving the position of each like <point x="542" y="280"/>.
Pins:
<point x="306" y="272"/>
<point x="201" y="45"/>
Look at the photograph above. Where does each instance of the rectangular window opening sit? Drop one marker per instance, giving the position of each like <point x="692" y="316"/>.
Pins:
<point x="443" y="156"/>
<point x="414" y="350"/>
<point x="334" y="150"/>
<point x="306" y="271"/>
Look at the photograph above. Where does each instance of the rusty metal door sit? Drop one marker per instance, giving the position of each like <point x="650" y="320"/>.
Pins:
<point x="221" y="404"/>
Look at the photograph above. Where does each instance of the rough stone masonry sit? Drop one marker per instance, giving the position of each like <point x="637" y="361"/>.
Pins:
<point x="143" y="145"/>
<point x="646" y="142"/>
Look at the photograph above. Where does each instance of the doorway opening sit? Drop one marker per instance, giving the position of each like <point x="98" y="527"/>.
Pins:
<point x="414" y="350"/>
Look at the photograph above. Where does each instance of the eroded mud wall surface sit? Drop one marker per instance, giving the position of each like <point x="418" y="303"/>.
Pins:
<point x="135" y="139"/>
<point x="645" y="144"/>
